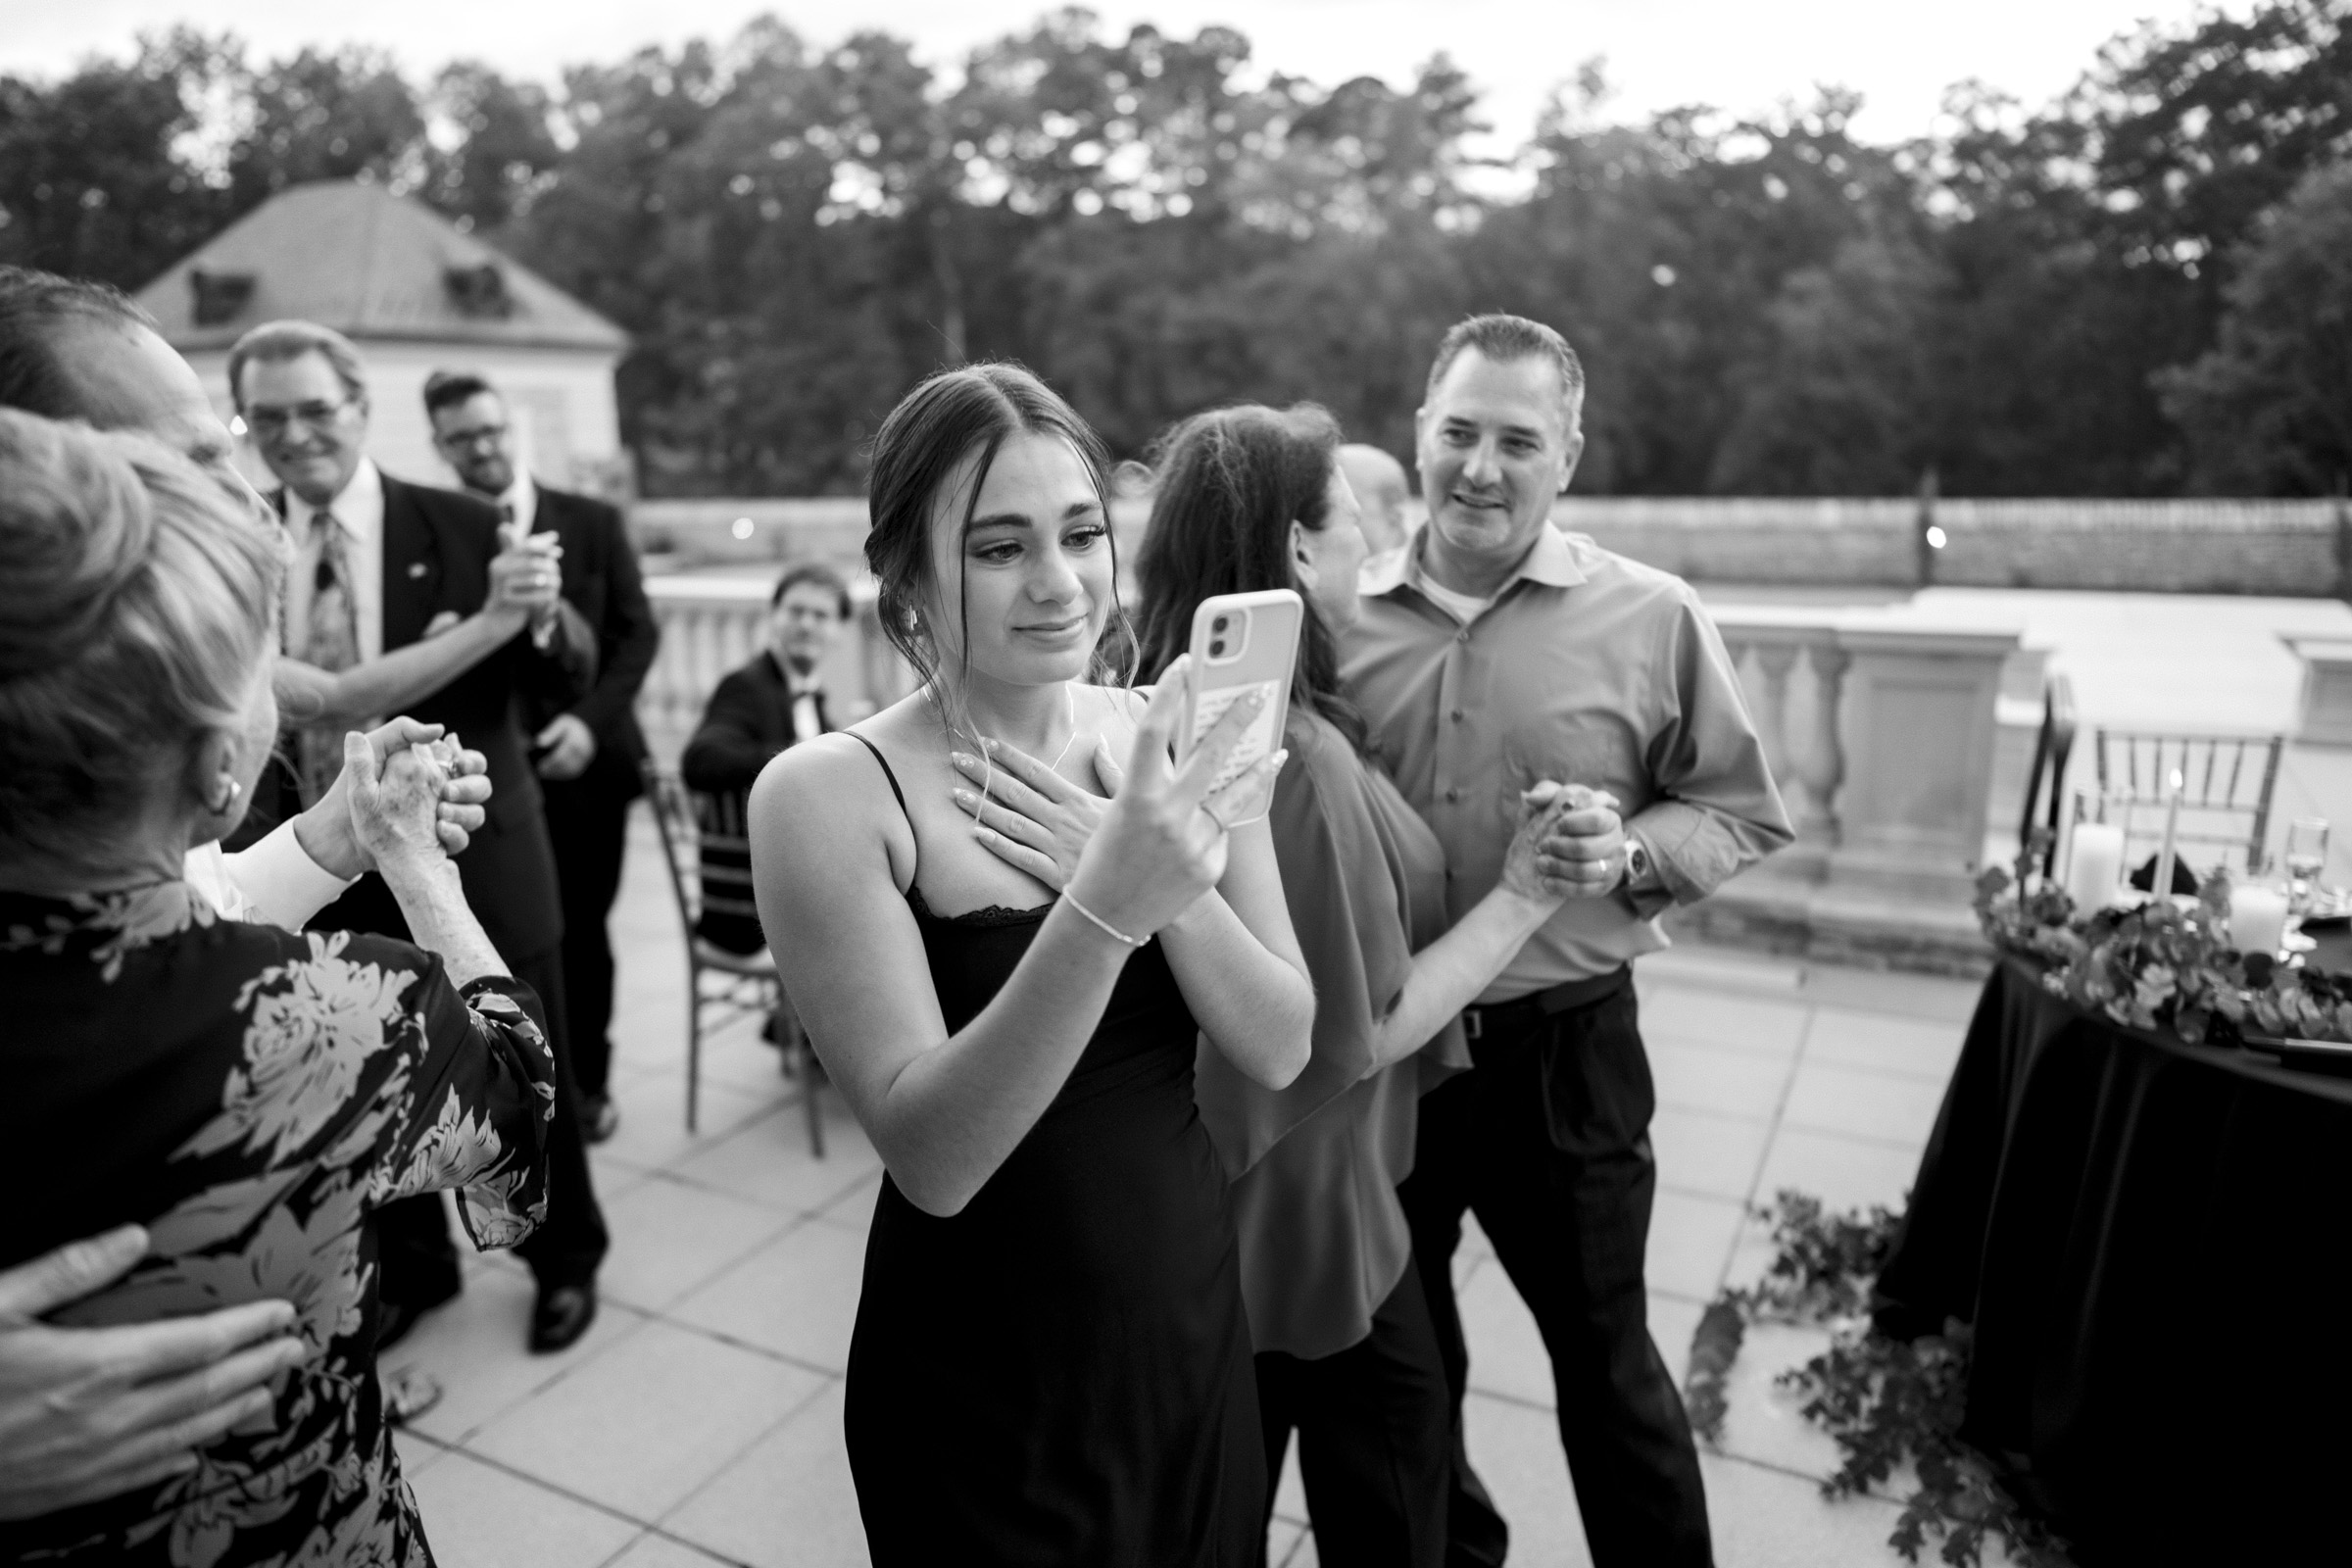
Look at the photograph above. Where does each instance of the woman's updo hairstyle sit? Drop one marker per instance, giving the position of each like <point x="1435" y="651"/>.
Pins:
<point x="1227" y="486"/>
<point x="135" y="606"/>
<point x="953" y="415"/>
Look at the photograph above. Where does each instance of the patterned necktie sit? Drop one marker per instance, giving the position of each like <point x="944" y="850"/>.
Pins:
<point x="331" y="641"/>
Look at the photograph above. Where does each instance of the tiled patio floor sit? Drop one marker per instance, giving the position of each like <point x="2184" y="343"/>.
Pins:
<point x="699" y="1421"/>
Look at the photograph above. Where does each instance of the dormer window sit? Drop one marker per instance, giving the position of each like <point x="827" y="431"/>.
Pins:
<point x="478" y="291"/>
<point x="219" y="296"/>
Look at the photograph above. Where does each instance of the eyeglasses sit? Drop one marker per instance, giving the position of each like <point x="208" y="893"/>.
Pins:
<point x="261" y="419"/>
<point x="487" y="435"/>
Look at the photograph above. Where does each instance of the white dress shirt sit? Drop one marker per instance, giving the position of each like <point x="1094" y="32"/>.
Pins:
<point x="523" y="496"/>
<point x="275" y="882"/>
<point x="360" y="512"/>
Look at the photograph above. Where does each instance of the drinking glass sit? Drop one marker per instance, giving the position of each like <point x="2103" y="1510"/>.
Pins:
<point x="2305" y="858"/>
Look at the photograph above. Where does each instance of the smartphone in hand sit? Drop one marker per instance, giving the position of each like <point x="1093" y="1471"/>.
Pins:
<point x="1241" y="643"/>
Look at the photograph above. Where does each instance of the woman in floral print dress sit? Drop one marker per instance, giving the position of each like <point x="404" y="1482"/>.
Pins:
<point x="248" y="1093"/>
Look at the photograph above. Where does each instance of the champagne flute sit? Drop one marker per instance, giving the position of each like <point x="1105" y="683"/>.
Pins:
<point x="2305" y="858"/>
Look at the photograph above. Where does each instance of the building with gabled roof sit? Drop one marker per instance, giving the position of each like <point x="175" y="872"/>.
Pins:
<point x="416" y="294"/>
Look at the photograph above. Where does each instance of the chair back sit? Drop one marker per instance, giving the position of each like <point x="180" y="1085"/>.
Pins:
<point x="673" y="814"/>
<point x="2052" y="749"/>
<point x="726" y="854"/>
<point x="2226" y="787"/>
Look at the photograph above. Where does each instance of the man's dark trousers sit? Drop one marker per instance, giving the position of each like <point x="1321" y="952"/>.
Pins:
<point x="588" y="818"/>
<point x="1547" y="1141"/>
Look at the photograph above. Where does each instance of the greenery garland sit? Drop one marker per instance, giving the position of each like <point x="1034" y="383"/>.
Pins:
<point x="1883" y="1400"/>
<point x="2159" y="966"/>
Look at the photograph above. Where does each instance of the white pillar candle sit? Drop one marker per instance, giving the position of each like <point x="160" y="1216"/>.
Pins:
<point x="2161" y="886"/>
<point x="2095" y="867"/>
<point x="2257" y="917"/>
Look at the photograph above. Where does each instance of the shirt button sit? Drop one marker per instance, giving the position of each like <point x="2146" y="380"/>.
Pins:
<point x="1462" y="636"/>
<point x="1453" y="795"/>
<point x="1455" y="716"/>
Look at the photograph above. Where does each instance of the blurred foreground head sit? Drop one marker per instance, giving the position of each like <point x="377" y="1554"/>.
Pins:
<point x="70" y="349"/>
<point x="135" y="606"/>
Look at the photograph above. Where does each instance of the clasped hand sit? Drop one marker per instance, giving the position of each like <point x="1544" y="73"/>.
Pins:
<point x="327" y="831"/>
<point x="1570" y="843"/>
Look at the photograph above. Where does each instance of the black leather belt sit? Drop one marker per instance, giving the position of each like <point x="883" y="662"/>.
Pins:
<point x="1521" y="1013"/>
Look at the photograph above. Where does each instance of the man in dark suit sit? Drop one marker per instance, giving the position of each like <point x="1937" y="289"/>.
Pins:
<point x="379" y="564"/>
<point x="775" y="701"/>
<point x="589" y="751"/>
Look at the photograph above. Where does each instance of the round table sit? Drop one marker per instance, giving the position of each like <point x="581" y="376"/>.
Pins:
<point x="2152" y="1242"/>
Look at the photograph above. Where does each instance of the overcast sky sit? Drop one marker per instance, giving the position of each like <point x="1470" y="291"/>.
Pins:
<point x="1737" y="55"/>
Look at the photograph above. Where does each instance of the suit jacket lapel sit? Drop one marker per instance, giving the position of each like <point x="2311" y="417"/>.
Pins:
<point x="412" y="567"/>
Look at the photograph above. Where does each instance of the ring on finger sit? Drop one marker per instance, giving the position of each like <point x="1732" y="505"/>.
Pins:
<point x="1223" y="826"/>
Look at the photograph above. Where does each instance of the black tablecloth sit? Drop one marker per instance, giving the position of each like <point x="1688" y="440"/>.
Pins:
<point x="2153" y="1242"/>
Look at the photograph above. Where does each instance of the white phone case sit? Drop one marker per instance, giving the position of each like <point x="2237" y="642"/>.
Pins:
<point x="1242" y="643"/>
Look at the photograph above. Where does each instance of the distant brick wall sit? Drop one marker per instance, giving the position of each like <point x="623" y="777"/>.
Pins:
<point x="2287" y="548"/>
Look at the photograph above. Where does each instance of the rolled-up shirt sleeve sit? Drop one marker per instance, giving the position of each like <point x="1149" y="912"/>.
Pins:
<point x="1717" y="811"/>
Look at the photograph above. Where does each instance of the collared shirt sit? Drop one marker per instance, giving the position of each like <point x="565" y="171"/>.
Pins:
<point x="1587" y="669"/>
<point x="359" y="511"/>
<point x="808" y="720"/>
<point x="519" y="504"/>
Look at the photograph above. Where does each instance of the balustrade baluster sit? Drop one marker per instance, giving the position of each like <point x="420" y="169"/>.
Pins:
<point x="1822" y="768"/>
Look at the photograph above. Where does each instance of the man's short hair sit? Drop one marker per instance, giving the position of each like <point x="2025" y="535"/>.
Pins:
<point x="275" y="342"/>
<point x="446" y="389"/>
<point x="822" y="576"/>
<point x="35" y="309"/>
<point x="1503" y="338"/>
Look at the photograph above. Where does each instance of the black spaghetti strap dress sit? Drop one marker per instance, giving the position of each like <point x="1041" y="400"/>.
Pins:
<point x="1061" y="1374"/>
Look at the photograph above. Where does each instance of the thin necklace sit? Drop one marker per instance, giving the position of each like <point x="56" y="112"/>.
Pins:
<point x="988" y="760"/>
<point x="1055" y="766"/>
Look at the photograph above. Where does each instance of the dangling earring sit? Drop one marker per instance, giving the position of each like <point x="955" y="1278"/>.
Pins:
<point x="221" y="806"/>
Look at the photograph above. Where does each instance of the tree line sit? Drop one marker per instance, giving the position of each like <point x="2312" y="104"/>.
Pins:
<point x="2144" y="288"/>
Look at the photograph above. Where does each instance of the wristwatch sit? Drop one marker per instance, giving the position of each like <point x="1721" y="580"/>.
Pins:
<point x="1637" y="864"/>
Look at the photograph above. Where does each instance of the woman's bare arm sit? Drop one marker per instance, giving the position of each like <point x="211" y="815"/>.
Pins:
<point x="946" y="1110"/>
<point x="309" y="695"/>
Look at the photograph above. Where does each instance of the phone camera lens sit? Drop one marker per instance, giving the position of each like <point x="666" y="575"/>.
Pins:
<point x="1217" y="624"/>
<point x="1217" y="650"/>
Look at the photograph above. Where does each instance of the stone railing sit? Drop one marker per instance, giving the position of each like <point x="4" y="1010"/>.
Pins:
<point x="713" y="623"/>
<point x="1882" y="731"/>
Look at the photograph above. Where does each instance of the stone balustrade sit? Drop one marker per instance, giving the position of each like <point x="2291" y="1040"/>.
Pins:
<point x="1882" y="729"/>
<point x="713" y="623"/>
<point x="1880" y="725"/>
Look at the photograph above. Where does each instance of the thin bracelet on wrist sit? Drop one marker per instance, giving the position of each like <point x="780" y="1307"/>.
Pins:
<point x="1114" y="932"/>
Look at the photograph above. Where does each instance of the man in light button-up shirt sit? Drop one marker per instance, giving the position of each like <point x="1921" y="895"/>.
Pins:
<point x="1496" y="653"/>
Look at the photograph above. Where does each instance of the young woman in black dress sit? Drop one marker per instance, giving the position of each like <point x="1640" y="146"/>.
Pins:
<point x="1052" y="1362"/>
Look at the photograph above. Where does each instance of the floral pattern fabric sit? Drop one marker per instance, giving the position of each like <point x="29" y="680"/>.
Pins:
<point x="251" y="1095"/>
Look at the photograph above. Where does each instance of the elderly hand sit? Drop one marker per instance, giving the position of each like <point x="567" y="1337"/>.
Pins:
<point x="394" y="803"/>
<point x="90" y="1414"/>
<point x="571" y="746"/>
<point x="1583" y="851"/>
<point x="325" y="832"/>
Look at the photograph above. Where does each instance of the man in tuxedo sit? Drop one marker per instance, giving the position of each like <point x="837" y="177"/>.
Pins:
<point x="588" y="750"/>
<point x="380" y="563"/>
<point x="776" y="701"/>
